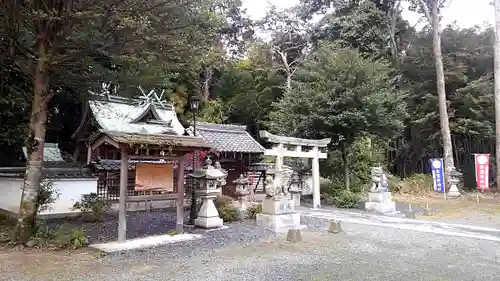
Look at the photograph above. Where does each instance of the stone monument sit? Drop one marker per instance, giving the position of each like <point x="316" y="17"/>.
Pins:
<point x="278" y="210"/>
<point x="296" y="183"/>
<point x="379" y="197"/>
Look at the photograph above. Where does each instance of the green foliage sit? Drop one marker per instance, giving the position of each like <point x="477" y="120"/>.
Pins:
<point x="342" y="96"/>
<point x="362" y="27"/>
<point x="361" y="159"/>
<point x="324" y="184"/>
<point x="14" y="108"/>
<point x="47" y="196"/>
<point x="227" y="211"/>
<point x="346" y="199"/>
<point x="467" y="58"/>
<point x="253" y="210"/>
<point x="93" y="208"/>
<point x="172" y="232"/>
<point x="61" y="237"/>
<point x="214" y="111"/>
<point x="223" y="200"/>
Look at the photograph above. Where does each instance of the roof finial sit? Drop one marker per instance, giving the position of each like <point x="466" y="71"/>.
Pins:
<point x="151" y="97"/>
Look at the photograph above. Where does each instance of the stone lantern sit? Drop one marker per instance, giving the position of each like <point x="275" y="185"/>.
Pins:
<point x="218" y="166"/>
<point x="454" y="180"/>
<point x="210" y="182"/>
<point x="242" y="184"/>
<point x="296" y="183"/>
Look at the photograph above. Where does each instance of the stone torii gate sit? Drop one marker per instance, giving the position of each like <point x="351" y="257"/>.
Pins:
<point x="295" y="147"/>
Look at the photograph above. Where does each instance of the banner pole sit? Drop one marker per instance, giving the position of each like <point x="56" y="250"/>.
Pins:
<point x="444" y="179"/>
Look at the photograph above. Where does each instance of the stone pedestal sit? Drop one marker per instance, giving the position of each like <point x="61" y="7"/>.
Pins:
<point x="334" y="226"/>
<point x="208" y="217"/>
<point x="278" y="214"/>
<point x="454" y="180"/>
<point x="380" y="202"/>
<point x="294" y="235"/>
<point x="295" y="198"/>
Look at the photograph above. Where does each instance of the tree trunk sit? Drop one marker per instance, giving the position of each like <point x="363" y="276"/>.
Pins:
<point x="289" y="81"/>
<point x="497" y="90"/>
<point x="35" y="143"/>
<point x="207" y="82"/>
<point x="345" y="161"/>
<point x="443" y="111"/>
<point x="393" y="15"/>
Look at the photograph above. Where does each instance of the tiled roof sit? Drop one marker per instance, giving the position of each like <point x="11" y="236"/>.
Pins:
<point x="120" y="114"/>
<point x="48" y="173"/>
<point x="157" y="140"/>
<point x="227" y="138"/>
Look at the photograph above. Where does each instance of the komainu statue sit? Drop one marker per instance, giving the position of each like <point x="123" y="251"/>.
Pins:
<point x="277" y="183"/>
<point x="379" y="180"/>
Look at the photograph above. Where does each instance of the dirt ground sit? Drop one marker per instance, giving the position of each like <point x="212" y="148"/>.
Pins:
<point x="471" y="208"/>
<point x="33" y="263"/>
<point x="321" y="256"/>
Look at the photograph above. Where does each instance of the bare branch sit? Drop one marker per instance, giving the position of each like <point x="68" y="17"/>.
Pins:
<point x="425" y="8"/>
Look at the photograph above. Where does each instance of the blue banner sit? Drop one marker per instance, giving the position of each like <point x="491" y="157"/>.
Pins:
<point x="437" y="169"/>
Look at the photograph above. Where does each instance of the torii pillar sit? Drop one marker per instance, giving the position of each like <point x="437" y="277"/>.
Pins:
<point x="282" y="149"/>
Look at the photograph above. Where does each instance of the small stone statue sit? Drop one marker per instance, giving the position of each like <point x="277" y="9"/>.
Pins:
<point x="379" y="180"/>
<point x="269" y="184"/>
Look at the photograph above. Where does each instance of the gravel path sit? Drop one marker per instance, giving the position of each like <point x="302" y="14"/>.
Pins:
<point x="244" y="252"/>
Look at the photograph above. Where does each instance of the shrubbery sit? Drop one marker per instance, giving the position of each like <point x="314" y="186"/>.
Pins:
<point x="361" y="160"/>
<point x="223" y="200"/>
<point x="346" y="199"/>
<point x="253" y="210"/>
<point x="227" y="211"/>
<point x="47" y="196"/>
<point x="61" y="237"/>
<point x="93" y="208"/>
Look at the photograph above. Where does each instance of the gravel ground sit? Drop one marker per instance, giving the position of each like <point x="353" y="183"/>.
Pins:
<point x="245" y="252"/>
<point x="139" y="224"/>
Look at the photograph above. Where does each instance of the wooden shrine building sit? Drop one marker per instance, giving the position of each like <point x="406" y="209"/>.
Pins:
<point x="138" y="148"/>
<point x="234" y="148"/>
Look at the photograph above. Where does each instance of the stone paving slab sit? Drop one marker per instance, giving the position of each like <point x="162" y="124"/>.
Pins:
<point x="462" y="230"/>
<point x="146" y="242"/>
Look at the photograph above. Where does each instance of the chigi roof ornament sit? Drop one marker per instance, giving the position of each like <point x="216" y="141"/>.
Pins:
<point x="108" y="89"/>
<point x="151" y="97"/>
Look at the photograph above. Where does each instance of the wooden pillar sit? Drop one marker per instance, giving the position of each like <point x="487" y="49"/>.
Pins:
<point x="316" y="179"/>
<point x="76" y="154"/>
<point x="89" y="154"/>
<point x="122" y="207"/>
<point x="180" y="195"/>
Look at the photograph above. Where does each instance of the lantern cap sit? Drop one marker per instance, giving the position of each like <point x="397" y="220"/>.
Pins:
<point x="208" y="172"/>
<point x="241" y="180"/>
